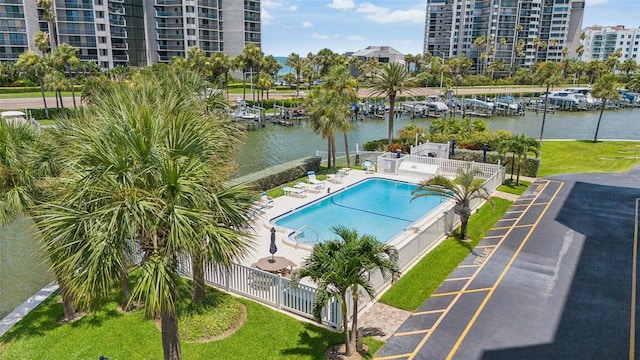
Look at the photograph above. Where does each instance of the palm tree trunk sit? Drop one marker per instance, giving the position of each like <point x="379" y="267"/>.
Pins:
<point x="345" y="320"/>
<point x="333" y="149"/>
<point x="68" y="302"/>
<point x="126" y="290"/>
<point x="604" y="103"/>
<point x="328" y="152"/>
<point x="346" y="148"/>
<point x="197" y="266"/>
<point x="354" y="316"/>
<point x="392" y="102"/>
<point x="60" y="96"/>
<point x="44" y="99"/>
<point x="170" y="338"/>
<point x="73" y="94"/>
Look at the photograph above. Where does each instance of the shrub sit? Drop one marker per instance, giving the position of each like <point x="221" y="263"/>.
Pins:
<point x="529" y="167"/>
<point x="280" y="174"/>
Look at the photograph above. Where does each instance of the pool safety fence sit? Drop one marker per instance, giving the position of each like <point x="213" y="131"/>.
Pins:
<point x="279" y="292"/>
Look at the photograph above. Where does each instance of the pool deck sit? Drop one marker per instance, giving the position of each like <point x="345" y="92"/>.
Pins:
<point x="287" y="203"/>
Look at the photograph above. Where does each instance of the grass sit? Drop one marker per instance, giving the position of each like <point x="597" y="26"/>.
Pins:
<point x="38" y="95"/>
<point x="415" y="287"/>
<point x="116" y="335"/>
<point x="509" y="186"/>
<point x="569" y="157"/>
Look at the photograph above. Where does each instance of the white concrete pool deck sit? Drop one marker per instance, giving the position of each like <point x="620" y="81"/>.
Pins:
<point x="287" y="203"/>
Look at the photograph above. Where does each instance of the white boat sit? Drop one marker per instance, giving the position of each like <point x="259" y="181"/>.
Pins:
<point x="586" y="91"/>
<point x="508" y="104"/>
<point x="435" y="103"/>
<point x="243" y="113"/>
<point x="480" y="104"/>
<point x="566" y="98"/>
<point x="413" y="107"/>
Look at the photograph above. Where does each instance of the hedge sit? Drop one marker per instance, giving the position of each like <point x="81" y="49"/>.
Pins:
<point x="529" y="167"/>
<point x="280" y="174"/>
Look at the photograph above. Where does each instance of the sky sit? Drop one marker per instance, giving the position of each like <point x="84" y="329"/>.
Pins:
<point x="303" y="26"/>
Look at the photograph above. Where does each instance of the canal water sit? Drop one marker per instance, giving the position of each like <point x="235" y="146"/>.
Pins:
<point x="275" y="144"/>
<point x="22" y="272"/>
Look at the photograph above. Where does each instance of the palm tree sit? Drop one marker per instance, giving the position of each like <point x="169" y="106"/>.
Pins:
<point x="390" y="80"/>
<point x="343" y="265"/>
<point x="634" y="82"/>
<point x="346" y="87"/>
<point x="462" y="190"/>
<point x="628" y="66"/>
<point x="36" y="67"/>
<point x="606" y="89"/>
<point x="65" y="56"/>
<point x="49" y="15"/>
<point x="147" y="176"/>
<point x="548" y="74"/>
<point x="519" y="146"/>
<point x="327" y="111"/>
<point x="295" y="62"/>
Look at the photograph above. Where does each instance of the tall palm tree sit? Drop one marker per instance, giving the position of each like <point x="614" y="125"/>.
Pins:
<point x="606" y="89"/>
<point x="327" y="109"/>
<point x="65" y="57"/>
<point x="462" y="190"/>
<point x="147" y="176"/>
<point x="634" y="82"/>
<point x="342" y="266"/>
<point x="295" y="62"/>
<point x="36" y="67"/>
<point x="548" y="74"/>
<point x="346" y="87"/>
<point x="390" y="80"/>
<point x="49" y="15"/>
<point x="628" y="66"/>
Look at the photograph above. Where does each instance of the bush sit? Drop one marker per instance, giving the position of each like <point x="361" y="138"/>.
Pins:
<point x="280" y="174"/>
<point x="376" y="145"/>
<point x="529" y="167"/>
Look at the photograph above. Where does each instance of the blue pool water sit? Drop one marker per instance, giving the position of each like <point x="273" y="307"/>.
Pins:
<point x="377" y="207"/>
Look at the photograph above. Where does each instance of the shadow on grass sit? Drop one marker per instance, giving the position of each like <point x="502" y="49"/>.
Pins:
<point x="313" y="341"/>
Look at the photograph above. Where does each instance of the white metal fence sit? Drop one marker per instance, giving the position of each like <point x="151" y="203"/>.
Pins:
<point x="279" y="292"/>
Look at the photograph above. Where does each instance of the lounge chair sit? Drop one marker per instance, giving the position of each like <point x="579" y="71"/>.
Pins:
<point x="311" y="179"/>
<point x="369" y="166"/>
<point x="314" y="188"/>
<point x="265" y="200"/>
<point x="295" y="191"/>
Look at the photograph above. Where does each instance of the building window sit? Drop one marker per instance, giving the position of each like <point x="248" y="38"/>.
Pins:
<point x="100" y="14"/>
<point x="191" y="31"/>
<point x="101" y="27"/>
<point x="102" y="39"/>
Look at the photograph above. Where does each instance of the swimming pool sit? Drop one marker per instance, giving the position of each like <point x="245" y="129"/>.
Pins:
<point x="378" y="207"/>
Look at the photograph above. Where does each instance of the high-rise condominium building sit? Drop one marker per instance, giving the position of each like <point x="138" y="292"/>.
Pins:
<point x="520" y="32"/>
<point x="601" y="41"/>
<point x="132" y="32"/>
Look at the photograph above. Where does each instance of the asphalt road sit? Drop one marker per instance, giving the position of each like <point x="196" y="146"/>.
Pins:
<point x="552" y="280"/>
<point x="37" y="103"/>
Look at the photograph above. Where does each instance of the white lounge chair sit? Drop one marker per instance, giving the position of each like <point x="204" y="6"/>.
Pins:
<point x="314" y="188"/>
<point x="369" y="166"/>
<point x="295" y="191"/>
<point x="267" y="201"/>
<point x="311" y="175"/>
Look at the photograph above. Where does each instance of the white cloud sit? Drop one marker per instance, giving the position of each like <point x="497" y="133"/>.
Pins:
<point x="355" y="38"/>
<point x="307" y="24"/>
<point x="383" y="15"/>
<point x="320" y="36"/>
<point x="270" y="4"/>
<point x="595" y="2"/>
<point x="341" y="4"/>
<point x="293" y="8"/>
<point x="265" y="16"/>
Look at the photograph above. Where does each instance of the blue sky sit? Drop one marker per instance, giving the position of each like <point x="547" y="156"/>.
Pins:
<point x="304" y="26"/>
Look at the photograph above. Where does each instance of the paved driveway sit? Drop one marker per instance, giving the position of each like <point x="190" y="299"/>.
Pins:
<point x="552" y="280"/>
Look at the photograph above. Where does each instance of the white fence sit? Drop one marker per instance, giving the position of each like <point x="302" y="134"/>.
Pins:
<point x="279" y="292"/>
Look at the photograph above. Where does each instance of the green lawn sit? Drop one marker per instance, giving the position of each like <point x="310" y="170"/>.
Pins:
<point x="509" y="186"/>
<point x="110" y="333"/>
<point x="415" y="287"/>
<point x="568" y="157"/>
<point x="37" y="95"/>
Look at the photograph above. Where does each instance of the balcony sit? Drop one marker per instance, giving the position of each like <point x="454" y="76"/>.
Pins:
<point x="11" y="15"/>
<point x="85" y="32"/>
<point x="170" y="47"/>
<point x="120" y="57"/>
<point x="13" y="29"/>
<point x="208" y="3"/>
<point x="209" y="26"/>
<point x="87" y="19"/>
<point x="168" y="2"/>
<point x="166" y="14"/>
<point x="170" y="36"/>
<point x="69" y="5"/>
<point x="119" y="10"/>
<point x="13" y="42"/>
<point x="164" y="25"/>
<point x="120" y="46"/>
<point x="83" y="44"/>
<point x="118" y="33"/>
<point x="207" y="15"/>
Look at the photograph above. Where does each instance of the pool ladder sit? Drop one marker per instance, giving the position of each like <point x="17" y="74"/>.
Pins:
<point x="300" y="234"/>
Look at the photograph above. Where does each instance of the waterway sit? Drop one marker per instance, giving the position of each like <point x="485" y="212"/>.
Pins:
<point x="275" y="144"/>
<point x="22" y="272"/>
